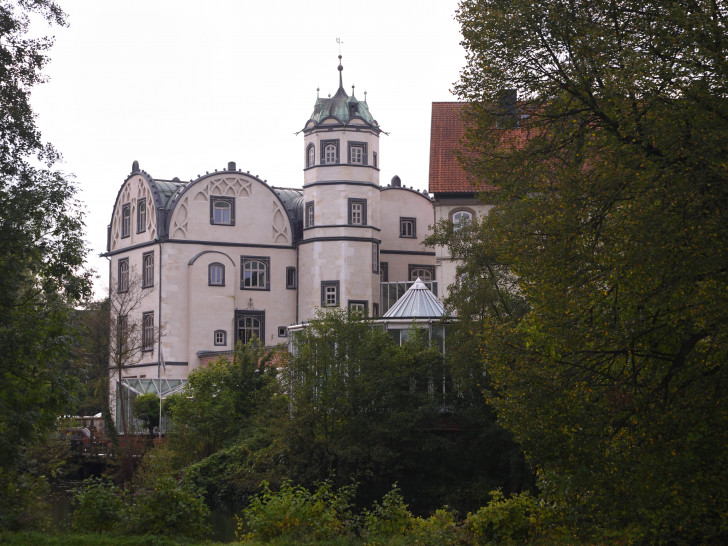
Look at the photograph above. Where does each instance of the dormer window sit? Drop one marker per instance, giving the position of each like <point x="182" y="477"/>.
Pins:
<point x="222" y="211"/>
<point x="353" y="110"/>
<point x="329" y="152"/>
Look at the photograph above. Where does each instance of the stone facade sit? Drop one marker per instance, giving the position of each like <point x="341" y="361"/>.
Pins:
<point x="227" y="256"/>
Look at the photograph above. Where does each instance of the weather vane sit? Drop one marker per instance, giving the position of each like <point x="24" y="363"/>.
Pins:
<point x="338" y="41"/>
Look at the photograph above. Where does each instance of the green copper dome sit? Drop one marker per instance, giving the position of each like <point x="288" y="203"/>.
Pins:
<point x="342" y="107"/>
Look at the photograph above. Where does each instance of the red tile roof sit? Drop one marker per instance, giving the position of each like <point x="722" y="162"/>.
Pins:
<point x="447" y="132"/>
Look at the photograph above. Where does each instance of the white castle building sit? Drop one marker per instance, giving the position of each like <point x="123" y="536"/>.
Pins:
<point x="228" y="257"/>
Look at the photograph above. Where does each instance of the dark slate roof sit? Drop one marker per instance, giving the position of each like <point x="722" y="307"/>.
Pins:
<point x="292" y="200"/>
<point x="168" y="189"/>
<point x="417" y="302"/>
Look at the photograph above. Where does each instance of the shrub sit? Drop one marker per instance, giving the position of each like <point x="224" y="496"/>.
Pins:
<point x="440" y="528"/>
<point x="505" y="520"/>
<point x="99" y="506"/>
<point x="169" y="508"/>
<point x="391" y="518"/>
<point x="295" y="514"/>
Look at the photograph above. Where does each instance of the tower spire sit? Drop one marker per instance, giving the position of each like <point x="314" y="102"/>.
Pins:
<point x="341" y="69"/>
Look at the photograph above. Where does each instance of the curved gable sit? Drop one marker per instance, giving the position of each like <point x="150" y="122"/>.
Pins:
<point x="252" y="212"/>
<point x="137" y="188"/>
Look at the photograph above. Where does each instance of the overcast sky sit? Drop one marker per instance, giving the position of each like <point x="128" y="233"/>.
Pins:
<point x="184" y="87"/>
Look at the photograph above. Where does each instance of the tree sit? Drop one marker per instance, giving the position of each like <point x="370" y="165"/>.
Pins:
<point x="41" y="254"/>
<point x="612" y="215"/>
<point x="93" y="356"/>
<point x="129" y="338"/>
<point x="146" y="410"/>
<point x="371" y="411"/>
<point x="217" y="402"/>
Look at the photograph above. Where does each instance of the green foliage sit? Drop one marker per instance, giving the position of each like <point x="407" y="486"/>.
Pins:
<point x="218" y="402"/>
<point x="93" y="357"/>
<point x="367" y="410"/>
<point x="388" y="519"/>
<point x="98" y="507"/>
<point x="41" y="256"/>
<point x="168" y="507"/>
<point x="505" y="521"/>
<point x="231" y="476"/>
<point x="295" y="514"/>
<point x="89" y="539"/>
<point x="162" y="506"/>
<point x="22" y="501"/>
<point x="146" y="409"/>
<point x="440" y="528"/>
<point x="612" y="215"/>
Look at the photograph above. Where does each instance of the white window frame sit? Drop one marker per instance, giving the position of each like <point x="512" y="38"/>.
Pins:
<point x="216" y="274"/>
<point x="330" y="293"/>
<point x="255" y="273"/>
<point x="219" y="205"/>
<point x="407" y="227"/>
<point x="329" y="152"/>
<point x="461" y="218"/>
<point x="426" y="273"/>
<point x="310" y="214"/>
<point x="248" y="324"/>
<point x="357" y="212"/>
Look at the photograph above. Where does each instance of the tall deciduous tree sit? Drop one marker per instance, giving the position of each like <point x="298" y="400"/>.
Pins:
<point x="613" y="214"/>
<point x="41" y="253"/>
<point x="373" y="411"/>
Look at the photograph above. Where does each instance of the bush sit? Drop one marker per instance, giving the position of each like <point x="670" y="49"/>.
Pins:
<point x="165" y="507"/>
<point x="440" y="528"/>
<point x="391" y="518"/>
<point x="503" y="521"/>
<point x="295" y="514"/>
<point x="169" y="508"/>
<point x="99" y="507"/>
<point x="22" y="501"/>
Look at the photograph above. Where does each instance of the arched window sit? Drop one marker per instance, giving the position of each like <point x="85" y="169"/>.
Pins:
<point x="255" y="273"/>
<point x="221" y="212"/>
<point x="330" y="154"/>
<point x="123" y="275"/>
<point x="126" y="220"/>
<point x="216" y="274"/>
<point x="311" y="156"/>
<point x="425" y="272"/>
<point x="142" y="215"/>
<point x="461" y="218"/>
<point x="147" y="269"/>
<point x="250" y="324"/>
<point x="148" y="331"/>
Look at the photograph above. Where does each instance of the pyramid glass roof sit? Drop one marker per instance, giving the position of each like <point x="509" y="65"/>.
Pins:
<point x="417" y="302"/>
